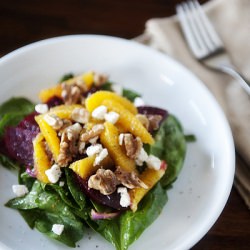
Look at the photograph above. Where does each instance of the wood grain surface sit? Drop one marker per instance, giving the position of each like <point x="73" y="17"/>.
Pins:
<point x="27" y="21"/>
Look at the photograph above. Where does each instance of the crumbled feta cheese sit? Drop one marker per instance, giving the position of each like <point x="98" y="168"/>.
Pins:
<point x="53" y="173"/>
<point x="99" y="112"/>
<point x="103" y="154"/>
<point x="154" y="162"/>
<point x="142" y="157"/>
<point x="111" y="117"/>
<point x="118" y="89"/>
<point x="125" y="198"/>
<point x="94" y="149"/>
<point x="41" y="108"/>
<point x="61" y="183"/>
<point x="138" y="101"/>
<point x="57" y="229"/>
<point x="121" y="137"/>
<point x="94" y="140"/>
<point x="19" y="190"/>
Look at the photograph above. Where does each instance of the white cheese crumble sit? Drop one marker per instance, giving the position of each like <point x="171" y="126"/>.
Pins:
<point x="53" y="173"/>
<point x="41" y="108"/>
<point x="142" y="157"/>
<point x="118" y="89"/>
<point x="121" y="137"/>
<point x="125" y="198"/>
<point x="61" y="183"/>
<point x="94" y="149"/>
<point x="138" y="101"/>
<point x="99" y="112"/>
<point x="19" y="190"/>
<point x="57" y="229"/>
<point x="103" y="154"/>
<point x="111" y="117"/>
<point x="153" y="162"/>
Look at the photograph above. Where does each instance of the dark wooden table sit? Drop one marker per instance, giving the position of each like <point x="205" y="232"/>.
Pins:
<point x="26" y="21"/>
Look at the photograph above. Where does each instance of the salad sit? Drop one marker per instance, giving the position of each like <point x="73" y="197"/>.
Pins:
<point x="90" y="155"/>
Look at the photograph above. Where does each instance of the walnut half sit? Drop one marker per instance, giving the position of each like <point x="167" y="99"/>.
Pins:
<point x="104" y="180"/>
<point x="132" y="145"/>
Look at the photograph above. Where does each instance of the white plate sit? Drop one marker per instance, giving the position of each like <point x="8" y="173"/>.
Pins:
<point x="202" y="189"/>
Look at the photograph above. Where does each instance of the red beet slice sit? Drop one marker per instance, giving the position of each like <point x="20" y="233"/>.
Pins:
<point x="19" y="145"/>
<point x="54" y="101"/>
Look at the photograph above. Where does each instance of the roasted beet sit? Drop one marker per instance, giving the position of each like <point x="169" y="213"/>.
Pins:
<point x="155" y="116"/>
<point x="149" y="110"/>
<point x="54" y="101"/>
<point x="18" y="142"/>
<point x="29" y="122"/>
<point x="112" y="200"/>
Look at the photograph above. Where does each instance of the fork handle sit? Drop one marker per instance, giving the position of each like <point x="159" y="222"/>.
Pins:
<point x="234" y="73"/>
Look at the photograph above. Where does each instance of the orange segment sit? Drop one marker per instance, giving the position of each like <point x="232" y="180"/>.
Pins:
<point x="98" y="97"/>
<point x="41" y="159"/>
<point x="46" y="94"/>
<point x="50" y="136"/>
<point x="64" y="111"/>
<point x="129" y="121"/>
<point x="110" y="139"/>
<point x="85" y="167"/>
<point x="150" y="177"/>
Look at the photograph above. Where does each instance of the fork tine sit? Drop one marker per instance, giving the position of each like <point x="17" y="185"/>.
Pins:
<point x="190" y="31"/>
<point x="201" y="28"/>
<point x="212" y="34"/>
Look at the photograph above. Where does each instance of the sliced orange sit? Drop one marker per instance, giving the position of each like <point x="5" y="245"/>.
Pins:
<point x="98" y="97"/>
<point x="41" y="159"/>
<point x="110" y="139"/>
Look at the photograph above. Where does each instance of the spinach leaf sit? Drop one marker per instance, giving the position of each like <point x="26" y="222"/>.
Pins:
<point x="42" y="207"/>
<point x="129" y="94"/>
<point x="170" y="145"/>
<point x="66" y="77"/>
<point x="13" y="111"/>
<point x="107" y="86"/>
<point x="8" y="163"/>
<point x="16" y="105"/>
<point x="132" y="224"/>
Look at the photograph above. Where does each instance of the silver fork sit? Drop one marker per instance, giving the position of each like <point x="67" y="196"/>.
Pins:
<point x="204" y="42"/>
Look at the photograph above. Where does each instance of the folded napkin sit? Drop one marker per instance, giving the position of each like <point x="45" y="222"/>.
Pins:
<point x="231" y="19"/>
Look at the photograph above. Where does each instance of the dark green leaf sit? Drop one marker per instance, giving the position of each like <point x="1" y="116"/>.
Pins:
<point x="66" y="77"/>
<point x="16" y="105"/>
<point x="190" y="138"/>
<point x="133" y="224"/>
<point x="129" y="94"/>
<point x="170" y="145"/>
<point x="107" y="86"/>
<point x="8" y="163"/>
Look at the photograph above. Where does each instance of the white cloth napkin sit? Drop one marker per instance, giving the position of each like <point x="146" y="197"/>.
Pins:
<point x="231" y="19"/>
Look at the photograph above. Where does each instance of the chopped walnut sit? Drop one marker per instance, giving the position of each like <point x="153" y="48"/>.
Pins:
<point x="129" y="179"/>
<point x="104" y="180"/>
<point x="68" y="144"/>
<point x="144" y="120"/>
<point x="80" y="115"/>
<point x="154" y="122"/>
<point x="132" y="145"/>
<point x="100" y="79"/>
<point x="72" y="93"/>
<point x="54" y="121"/>
<point x="95" y="131"/>
<point x="66" y="123"/>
